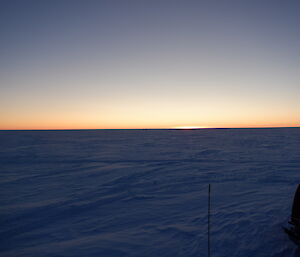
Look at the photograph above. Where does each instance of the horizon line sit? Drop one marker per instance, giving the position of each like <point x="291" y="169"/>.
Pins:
<point x="70" y="129"/>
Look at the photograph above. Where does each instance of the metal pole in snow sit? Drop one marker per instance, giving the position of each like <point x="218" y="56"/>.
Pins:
<point x="208" y="222"/>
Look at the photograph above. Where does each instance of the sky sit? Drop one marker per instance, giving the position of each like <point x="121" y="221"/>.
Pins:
<point x="149" y="64"/>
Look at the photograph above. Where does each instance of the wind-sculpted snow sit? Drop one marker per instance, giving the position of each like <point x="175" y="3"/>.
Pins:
<point x="144" y="192"/>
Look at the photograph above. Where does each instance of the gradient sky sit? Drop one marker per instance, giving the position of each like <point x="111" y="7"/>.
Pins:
<point x="149" y="64"/>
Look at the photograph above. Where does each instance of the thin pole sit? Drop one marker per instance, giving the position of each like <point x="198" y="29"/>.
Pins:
<point x="208" y="222"/>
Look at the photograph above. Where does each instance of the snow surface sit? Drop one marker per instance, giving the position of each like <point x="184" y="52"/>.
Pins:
<point x="144" y="192"/>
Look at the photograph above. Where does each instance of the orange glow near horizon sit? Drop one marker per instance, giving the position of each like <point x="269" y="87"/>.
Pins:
<point x="135" y="114"/>
<point x="94" y="126"/>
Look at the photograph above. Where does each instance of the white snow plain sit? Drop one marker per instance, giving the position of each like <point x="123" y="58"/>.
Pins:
<point x="144" y="192"/>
